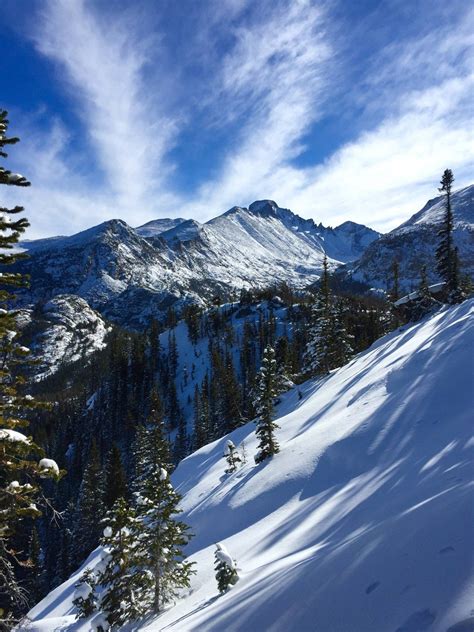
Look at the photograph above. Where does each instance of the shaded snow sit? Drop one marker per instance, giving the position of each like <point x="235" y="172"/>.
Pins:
<point x="362" y="523"/>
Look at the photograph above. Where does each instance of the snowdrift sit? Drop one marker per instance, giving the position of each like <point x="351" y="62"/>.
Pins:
<point x="364" y="521"/>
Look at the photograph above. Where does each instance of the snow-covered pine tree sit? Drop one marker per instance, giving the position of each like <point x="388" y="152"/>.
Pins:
<point x="341" y="343"/>
<point x="321" y="332"/>
<point x="125" y="584"/>
<point x="266" y="385"/>
<point x="162" y="539"/>
<point x="232" y="457"/>
<point x="85" y="597"/>
<point x="226" y="569"/>
<point x="19" y="466"/>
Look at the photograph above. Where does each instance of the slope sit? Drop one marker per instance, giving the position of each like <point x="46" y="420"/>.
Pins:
<point x="362" y="523"/>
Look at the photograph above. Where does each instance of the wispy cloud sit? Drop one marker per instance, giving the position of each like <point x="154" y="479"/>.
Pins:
<point x="273" y="79"/>
<point x="104" y="62"/>
<point x="262" y="76"/>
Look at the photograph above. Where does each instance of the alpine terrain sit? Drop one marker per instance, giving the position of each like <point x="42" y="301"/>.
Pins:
<point x="362" y="522"/>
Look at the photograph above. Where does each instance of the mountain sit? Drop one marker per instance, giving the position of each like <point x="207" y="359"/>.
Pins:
<point x="61" y="331"/>
<point x="414" y="243"/>
<point x="362" y="522"/>
<point x="158" y="226"/>
<point x="130" y="275"/>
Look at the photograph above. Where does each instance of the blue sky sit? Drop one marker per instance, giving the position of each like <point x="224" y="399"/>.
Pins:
<point x="141" y="109"/>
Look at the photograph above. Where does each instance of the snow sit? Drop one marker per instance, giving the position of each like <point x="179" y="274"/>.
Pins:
<point x="130" y="275"/>
<point x="83" y="590"/>
<point x="223" y="556"/>
<point x="362" y="523"/>
<point x="48" y="466"/>
<point x="13" y="436"/>
<point x="434" y="289"/>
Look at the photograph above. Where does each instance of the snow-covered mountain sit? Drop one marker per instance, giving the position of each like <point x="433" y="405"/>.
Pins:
<point x="131" y="274"/>
<point x="61" y="331"/>
<point x="414" y="244"/>
<point x="362" y="523"/>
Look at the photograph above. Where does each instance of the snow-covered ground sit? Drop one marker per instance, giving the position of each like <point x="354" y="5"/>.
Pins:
<point x="363" y="523"/>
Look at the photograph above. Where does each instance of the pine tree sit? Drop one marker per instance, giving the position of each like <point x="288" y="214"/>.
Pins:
<point x="124" y="582"/>
<point x="446" y="254"/>
<point x="321" y="334"/>
<point x="115" y="478"/>
<point x="424" y="303"/>
<point x="266" y="393"/>
<point x="232" y="457"/>
<point x="318" y="353"/>
<point x="19" y="466"/>
<point x="85" y="597"/>
<point x="181" y="442"/>
<point x="226" y="569"/>
<point x="342" y="349"/>
<point x="395" y="290"/>
<point x="37" y="576"/>
<point x="90" y="507"/>
<point x="163" y="538"/>
<point x="200" y="433"/>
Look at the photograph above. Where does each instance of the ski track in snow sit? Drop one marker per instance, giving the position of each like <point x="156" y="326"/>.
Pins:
<point x="363" y="522"/>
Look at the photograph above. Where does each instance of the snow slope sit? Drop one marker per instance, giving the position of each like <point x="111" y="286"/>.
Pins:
<point x="363" y="522"/>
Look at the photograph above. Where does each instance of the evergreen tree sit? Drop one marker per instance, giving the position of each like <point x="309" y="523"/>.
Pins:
<point x="200" y="434"/>
<point x="124" y="582"/>
<point x="115" y="478"/>
<point x="163" y="538"/>
<point x="321" y="334"/>
<point x="395" y="290"/>
<point x="424" y="303"/>
<point x="37" y="576"/>
<point x="226" y="569"/>
<point x="19" y="467"/>
<point x="232" y="457"/>
<point x="446" y="254"/>
<point x="85" y="597"/>
<point x="231" y="396"/>
<point x="181" y="442"/>
<point x="342" y="349"/>
<point x="90" y="508"/>
<point x="266" y="393"/>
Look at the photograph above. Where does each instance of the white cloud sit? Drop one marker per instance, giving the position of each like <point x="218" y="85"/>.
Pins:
<point x="104" y="62"/>
<point x="420" y="89"/>
<point x="273" y="78"/>
<point x="276" y="78"/>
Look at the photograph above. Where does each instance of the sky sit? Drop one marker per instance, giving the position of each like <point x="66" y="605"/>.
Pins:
<point x="144" y="109"/>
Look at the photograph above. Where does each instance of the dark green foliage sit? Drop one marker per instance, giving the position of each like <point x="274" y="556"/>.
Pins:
<point x="90" y="508"/>
<point x="125" y="584"/>
<point x="225" y="567"/>
<point x="85" y="598"/>
<point x="447" y="256"/>
<point x="232" y="457"/>
<point x="115" y="478"/>
<point x="267" y="391"/>
<point x="20" y="494"/>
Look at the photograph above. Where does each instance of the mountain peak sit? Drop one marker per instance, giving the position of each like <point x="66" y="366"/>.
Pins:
<point x="265" y="208"/>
